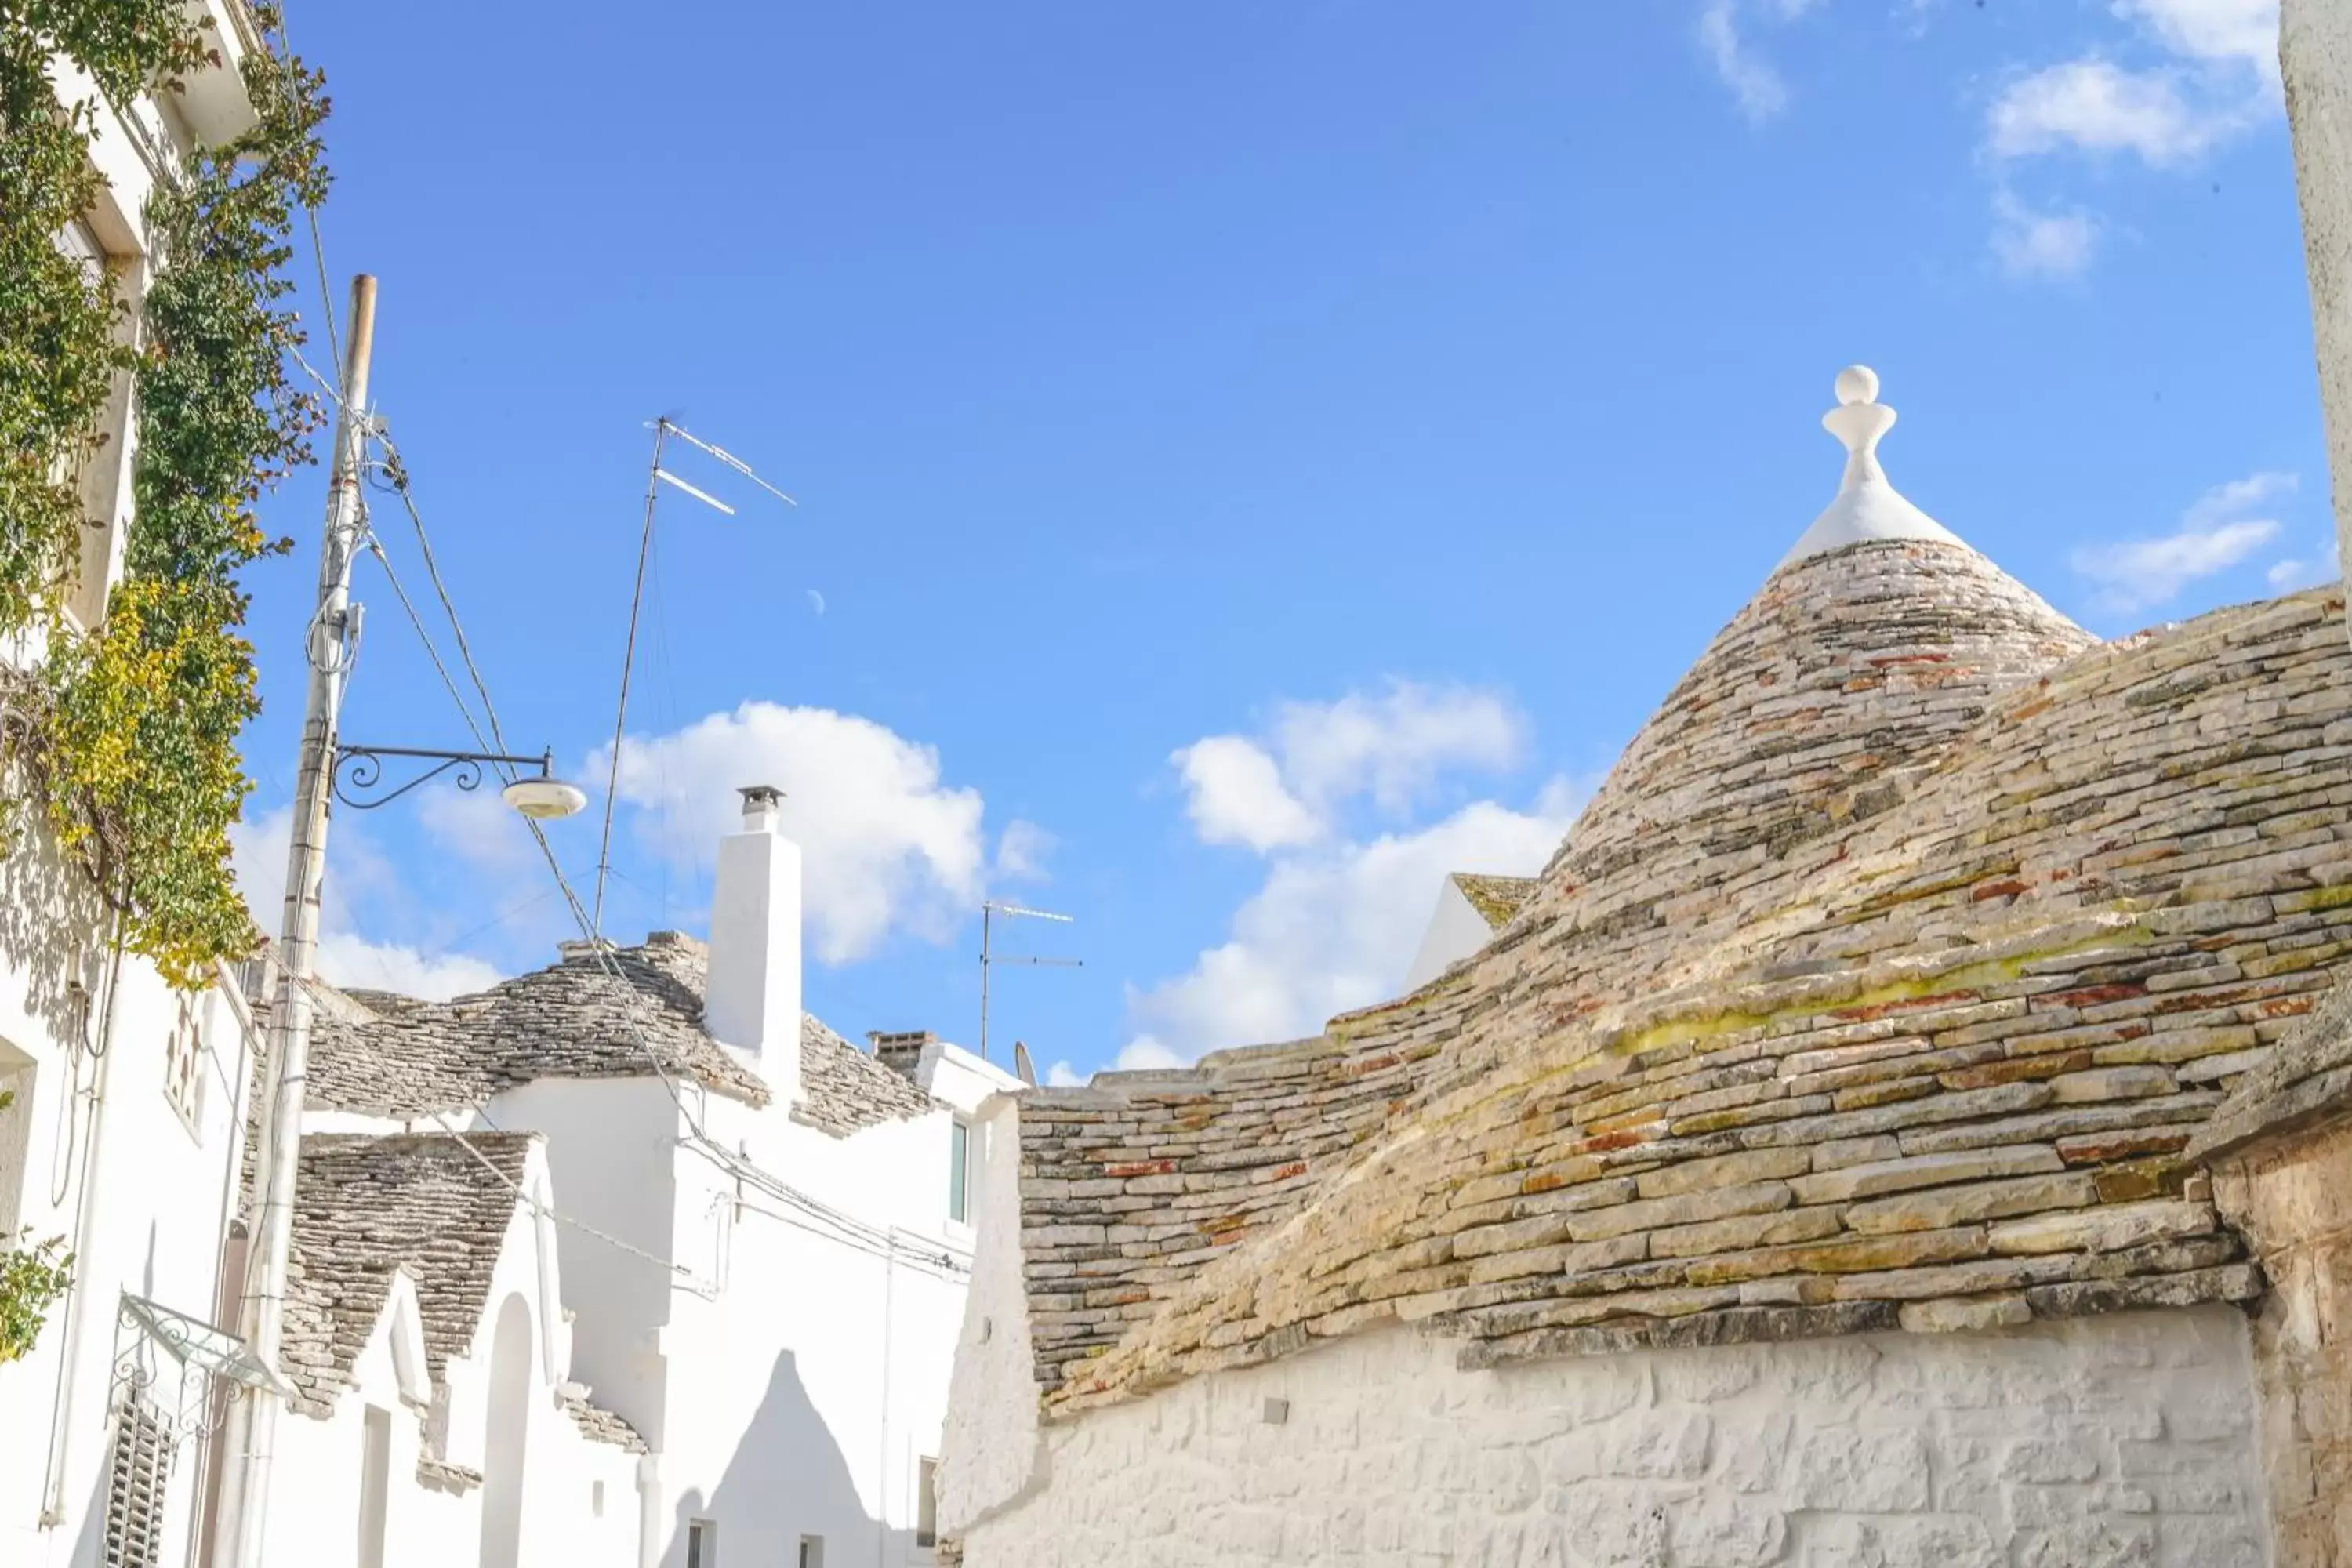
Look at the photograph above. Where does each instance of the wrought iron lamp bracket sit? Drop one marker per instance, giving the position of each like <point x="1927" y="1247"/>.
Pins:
<point x="359" y="771"/>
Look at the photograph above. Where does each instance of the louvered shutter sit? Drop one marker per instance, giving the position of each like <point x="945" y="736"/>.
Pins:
<point x="135" y="1490"/>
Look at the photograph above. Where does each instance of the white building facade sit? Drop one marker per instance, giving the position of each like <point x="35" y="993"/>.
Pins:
<point x="628" y="1262"/>
<point x="120" y="1137"/>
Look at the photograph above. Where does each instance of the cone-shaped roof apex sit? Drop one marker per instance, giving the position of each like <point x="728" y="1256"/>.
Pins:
<point x="1867" y="506"/>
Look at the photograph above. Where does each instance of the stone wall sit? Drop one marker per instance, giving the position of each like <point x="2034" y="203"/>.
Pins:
<point x="2293" y="1197"/>
<point x="2123" y="1440"/>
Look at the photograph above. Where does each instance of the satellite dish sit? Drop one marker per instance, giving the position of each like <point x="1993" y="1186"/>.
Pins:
<point x="1022" y="1066"/>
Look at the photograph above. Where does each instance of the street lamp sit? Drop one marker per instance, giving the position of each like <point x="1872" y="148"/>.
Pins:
<point x="359" y="771"/>
<point x="327" y="771"/>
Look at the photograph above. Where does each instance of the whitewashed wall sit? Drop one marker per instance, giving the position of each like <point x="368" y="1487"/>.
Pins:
<point x="2097" y="1444"/>
<point x="791" y="1381"/>
<point x="315" y="1518"/>
<point x="612" y="1144"/>
<point x="992" y="1457"/>
<point x="156" y="1194"/>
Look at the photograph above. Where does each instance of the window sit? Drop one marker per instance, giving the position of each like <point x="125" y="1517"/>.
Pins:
<point x="16" y="1137"/>
<point x="135" y="1485"/>
<point x="811" y="1552"/>
<point x="102" y="472"/>
<point x="702" y="1545"/>
<point x="926" y="1502"/>
<point x="596" y="1500"/>
<point x="184" y="1069"/>
<point x="375" y="1485"/>
<point x="959" y="1171"/>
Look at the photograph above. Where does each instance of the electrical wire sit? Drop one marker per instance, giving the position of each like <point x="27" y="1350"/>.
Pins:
<point x="558" y="1216"/>
<point x="318" y="245"/>
<point x="375" y="548"/>
<point x="629" y="664"/>
<point x="601" y="952"/>
<point x="850" y="1231"/>
<point x="396" y="473"/>
<point x="321" y="994"/>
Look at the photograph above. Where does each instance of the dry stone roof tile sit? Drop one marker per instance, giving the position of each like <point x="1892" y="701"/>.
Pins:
<point x="1883" y="985"/>
<point x="381" y="1055"/>
<point x="844" y="1090"/>
<point x="368" y="1207"/>
<point x="2307" y="1080"/>
<point x="440" y="1476"/>
<point x="576" y="1018"/>
<point x="599" y="1425"/>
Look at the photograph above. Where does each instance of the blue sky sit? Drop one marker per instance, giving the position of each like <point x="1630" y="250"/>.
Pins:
<point x="1253" y="458"/>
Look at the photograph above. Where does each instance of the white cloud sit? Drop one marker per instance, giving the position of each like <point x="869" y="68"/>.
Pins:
<point x="2032" y="244"/>
<point x="1755" y="85"/>
<point x="1392" y="747"/>
<point x="357" y="873"/>
<point x="1146" y="1053"/>
<point x="477" y="826"/>
<point x="1338" y="916"/>
<point x="352" y="962"/>
<point x="2092" y="105"/>
<point x="1288" y="789"/>
<point x="885" y="846"/>
<point x="2210" y="75"/>
<point x="1235" y="795"/>
<point x="2323" y="566"/>
<point x="2215" y="534"/>
<point x="2244" y="30"/>
<point x="1062" y="1075"/>
<point x="1332" y="927"/>
<point x="1022" y="851"/>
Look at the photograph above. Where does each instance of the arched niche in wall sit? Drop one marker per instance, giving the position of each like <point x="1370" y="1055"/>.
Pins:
<point x="509" y="1433"/>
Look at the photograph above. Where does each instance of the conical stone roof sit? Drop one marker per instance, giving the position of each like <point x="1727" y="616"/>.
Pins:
<point x="1878" y="640"/>
<point x="1882" y="985"/>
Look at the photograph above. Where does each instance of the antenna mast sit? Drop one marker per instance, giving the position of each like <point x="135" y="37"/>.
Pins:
<point x="655" y="476"/>
<point x="990" y="958"/>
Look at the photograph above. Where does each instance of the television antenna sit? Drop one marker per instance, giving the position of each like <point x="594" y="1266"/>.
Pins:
<point x="664" y="429"/>
<point x="990" y="909"/>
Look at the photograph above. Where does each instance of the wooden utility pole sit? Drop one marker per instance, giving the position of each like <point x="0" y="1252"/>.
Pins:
<point x="248" y="1435"/>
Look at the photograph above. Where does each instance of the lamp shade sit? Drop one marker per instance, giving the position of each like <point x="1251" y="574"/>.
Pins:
<point x="544" y="799"/>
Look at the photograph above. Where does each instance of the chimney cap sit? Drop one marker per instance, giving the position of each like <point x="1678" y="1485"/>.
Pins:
<point x="760" y="794"/>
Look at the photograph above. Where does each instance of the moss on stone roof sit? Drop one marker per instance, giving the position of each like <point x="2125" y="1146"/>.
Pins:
<point x="1882" y="985"/>
<point x="1497" y="899"/>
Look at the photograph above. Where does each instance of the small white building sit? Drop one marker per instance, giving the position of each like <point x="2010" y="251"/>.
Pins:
<point x="628" y="1262"/>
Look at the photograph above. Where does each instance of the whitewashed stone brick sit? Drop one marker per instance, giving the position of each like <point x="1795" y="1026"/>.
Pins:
<point x="1896" y="1450"/>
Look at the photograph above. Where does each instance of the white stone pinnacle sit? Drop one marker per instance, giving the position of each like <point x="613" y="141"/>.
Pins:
<point x="1867" y="507"/>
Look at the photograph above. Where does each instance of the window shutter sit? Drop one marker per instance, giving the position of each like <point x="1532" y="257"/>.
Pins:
<point x="136" y="1487"/>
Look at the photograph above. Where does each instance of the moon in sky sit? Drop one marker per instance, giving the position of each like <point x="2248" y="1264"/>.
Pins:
<point x="817" y="601"/>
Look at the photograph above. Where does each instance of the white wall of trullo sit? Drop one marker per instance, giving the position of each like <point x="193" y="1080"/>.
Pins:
<point x="2315" y="37"/>
<point x="2098" y="1443"/>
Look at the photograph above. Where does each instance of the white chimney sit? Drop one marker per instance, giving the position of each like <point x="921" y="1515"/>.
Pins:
<point x="753" y="1002"/>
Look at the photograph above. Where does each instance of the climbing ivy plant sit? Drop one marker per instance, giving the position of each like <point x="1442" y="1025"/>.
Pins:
<point x="33" y="1275"/>
<point x="128" y="736"/>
